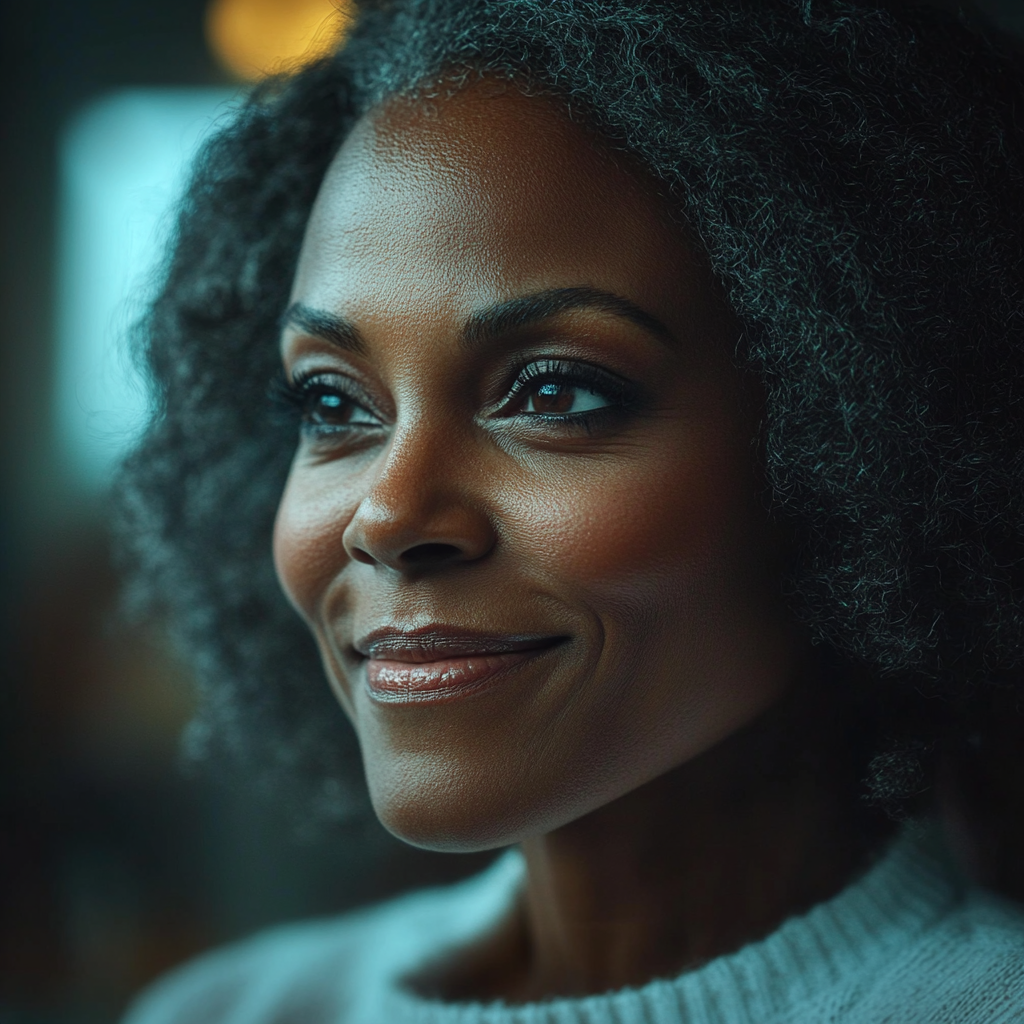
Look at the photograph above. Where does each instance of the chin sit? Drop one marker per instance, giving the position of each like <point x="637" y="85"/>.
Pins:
<point x="449" y="812"/>
<point x="435" y="821"/>
<point x="446" y="829"/>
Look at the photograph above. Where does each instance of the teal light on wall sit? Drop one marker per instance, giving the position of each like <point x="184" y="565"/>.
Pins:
<point x="124" y="162"/>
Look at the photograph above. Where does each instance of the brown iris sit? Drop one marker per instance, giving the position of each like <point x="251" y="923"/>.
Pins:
<point x="553" y="398"/>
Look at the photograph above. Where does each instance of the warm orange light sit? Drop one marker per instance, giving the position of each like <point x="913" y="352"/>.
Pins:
<point x="253" y="38"/>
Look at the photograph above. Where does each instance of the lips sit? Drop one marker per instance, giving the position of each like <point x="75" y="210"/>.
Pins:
<point x="439" y="663"/>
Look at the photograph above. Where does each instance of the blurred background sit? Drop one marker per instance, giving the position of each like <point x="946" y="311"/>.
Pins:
<point x="114" y="864"/>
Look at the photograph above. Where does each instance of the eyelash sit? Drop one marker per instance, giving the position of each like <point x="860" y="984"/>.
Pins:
<point x="622" y="397"/>
<point x="297" y="396"/>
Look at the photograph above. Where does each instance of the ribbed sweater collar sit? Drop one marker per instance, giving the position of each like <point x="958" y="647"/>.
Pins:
<point x="850" y="935"/>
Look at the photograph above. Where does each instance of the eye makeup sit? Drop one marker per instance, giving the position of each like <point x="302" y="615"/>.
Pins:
<point x="569" y="392"/>
<point x="325" y="403"/>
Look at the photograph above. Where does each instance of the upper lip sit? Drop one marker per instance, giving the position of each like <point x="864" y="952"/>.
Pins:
<point x="437" y="642"/>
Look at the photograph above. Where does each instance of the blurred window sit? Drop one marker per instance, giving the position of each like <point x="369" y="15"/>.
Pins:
<point x="124" y="164"/>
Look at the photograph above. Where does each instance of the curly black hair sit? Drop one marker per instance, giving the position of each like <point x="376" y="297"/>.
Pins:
<point x="854" y="171"/>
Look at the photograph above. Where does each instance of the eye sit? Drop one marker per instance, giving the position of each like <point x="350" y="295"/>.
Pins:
<point x="560" y="399"/>
<point x="566" y="391"/>
<point x="326" y="403"/>
<point x="328" y="408"/>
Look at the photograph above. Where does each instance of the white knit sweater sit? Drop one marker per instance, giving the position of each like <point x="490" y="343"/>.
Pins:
<point x="907" y="943"/>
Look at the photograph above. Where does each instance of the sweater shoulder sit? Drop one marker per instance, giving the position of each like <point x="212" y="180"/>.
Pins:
<point x="258" y="979"/>
<point x="967" y="969"/>
<point x="317" y="971"/>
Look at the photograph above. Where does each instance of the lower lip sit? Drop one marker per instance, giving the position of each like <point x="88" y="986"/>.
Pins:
<point x="432" y="682"/>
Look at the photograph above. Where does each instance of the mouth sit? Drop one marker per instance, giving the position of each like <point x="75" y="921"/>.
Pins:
<point x="436" y="663"/>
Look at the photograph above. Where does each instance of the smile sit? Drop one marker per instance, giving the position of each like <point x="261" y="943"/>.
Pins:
<point x="440" y="664"/>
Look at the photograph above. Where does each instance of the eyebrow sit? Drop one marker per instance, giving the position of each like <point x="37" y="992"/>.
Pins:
<point x="515" y="314"/>
<point x="329" y="326"/>
<point x="487" y="324"/>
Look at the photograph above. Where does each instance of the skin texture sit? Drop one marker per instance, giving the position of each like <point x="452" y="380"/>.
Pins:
<point x="646" y="761"/>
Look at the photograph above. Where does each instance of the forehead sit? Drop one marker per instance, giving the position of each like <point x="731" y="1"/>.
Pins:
<point x="479" y="195"/>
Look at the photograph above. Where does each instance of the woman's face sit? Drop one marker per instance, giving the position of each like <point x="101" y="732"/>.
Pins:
<point x="522" y="521"/>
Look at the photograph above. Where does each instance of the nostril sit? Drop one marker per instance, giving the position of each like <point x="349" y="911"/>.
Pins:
<point x="359" y="555"/>
<point x="429" y="554"/>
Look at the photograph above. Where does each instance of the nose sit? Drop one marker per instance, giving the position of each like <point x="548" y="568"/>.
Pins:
<point x="422" y="512"/>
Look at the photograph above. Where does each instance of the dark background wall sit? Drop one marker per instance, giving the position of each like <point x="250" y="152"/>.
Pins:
<point x="72" y="911"/>
<point x="113" y="865"/>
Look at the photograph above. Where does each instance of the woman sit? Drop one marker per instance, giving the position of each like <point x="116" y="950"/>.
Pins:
<point x="656" y="377"/>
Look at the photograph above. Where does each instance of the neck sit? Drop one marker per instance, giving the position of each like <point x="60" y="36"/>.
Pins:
<point x="695" y="864"/>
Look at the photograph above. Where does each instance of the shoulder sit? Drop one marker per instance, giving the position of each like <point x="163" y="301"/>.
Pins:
<point x="263" y="975"/>
<point x="967" y="969"/>
<point x="320" y="971"/>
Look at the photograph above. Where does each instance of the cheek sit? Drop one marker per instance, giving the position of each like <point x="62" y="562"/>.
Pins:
<point x="309" y="549"/>
<point x="646" y="520"/>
